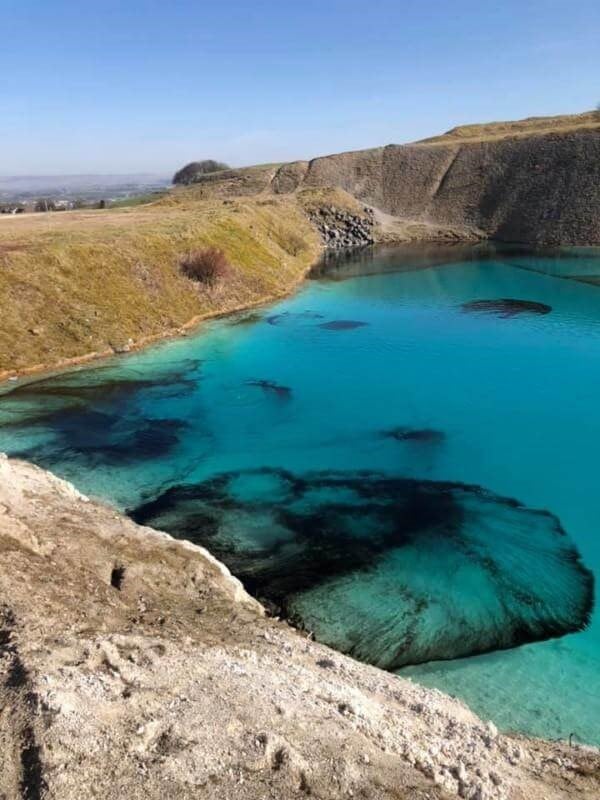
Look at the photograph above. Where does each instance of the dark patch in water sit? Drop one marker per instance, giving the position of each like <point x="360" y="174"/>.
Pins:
<point x="506" y="307"/>
<point x="291" y="316"/>
<point x="102" y="388"/>
<point x="394" y="571"/>
<point x="343" y="325"/>
<point x="270" y="386"/>
<point x="154" y="439"/>
<point x="93" y="418"/>
<point x="93" y="438"/>
<point x="424" y="435"/>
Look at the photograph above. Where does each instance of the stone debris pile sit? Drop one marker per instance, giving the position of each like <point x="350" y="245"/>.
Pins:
<point x="341" y="229"/>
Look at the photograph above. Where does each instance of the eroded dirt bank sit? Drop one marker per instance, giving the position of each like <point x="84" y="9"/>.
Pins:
<point x="133" y="665"/>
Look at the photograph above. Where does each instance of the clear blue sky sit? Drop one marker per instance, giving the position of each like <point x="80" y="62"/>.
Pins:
<point x="147" y="85"/>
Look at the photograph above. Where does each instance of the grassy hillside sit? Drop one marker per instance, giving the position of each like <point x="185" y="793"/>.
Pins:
<point x="531" y="126"/>
<point x="85" y="282"/>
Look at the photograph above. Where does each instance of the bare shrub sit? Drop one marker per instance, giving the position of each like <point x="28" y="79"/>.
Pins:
<point x="294" y="244"/>
<point x="208" y="266"/>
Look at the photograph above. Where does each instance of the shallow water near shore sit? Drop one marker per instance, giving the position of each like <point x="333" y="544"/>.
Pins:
<point x="402" y="457"/>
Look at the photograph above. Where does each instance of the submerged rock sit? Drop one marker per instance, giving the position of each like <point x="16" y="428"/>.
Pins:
<point x="292" y="316"/>
<point x="91" y="418"/>
<point x="343" y="325"/>
<point x="422" y="435"/>
<point x="270" y="386"/>
<point x="333" y="325"/>
<point x="394" y="571"/>
<point x="96" y="438"/>
<point x="506" y="307"/>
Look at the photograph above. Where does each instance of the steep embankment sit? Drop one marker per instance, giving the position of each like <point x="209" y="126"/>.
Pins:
<point x="535" y="181"/>
<point x="79" y="283"/>
<point x="134" y="666"/>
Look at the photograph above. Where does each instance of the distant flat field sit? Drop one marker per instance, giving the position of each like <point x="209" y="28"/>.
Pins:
<point x="72" y="220"/>
<point x="77" y="220"/>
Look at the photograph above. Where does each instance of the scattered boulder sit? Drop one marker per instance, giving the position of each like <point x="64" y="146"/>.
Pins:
<point x="506" y="307"/>
<point x="270" y="386"/>
<point x="343" y="230"/>
<point x="343" y="324"/>
<point x="424" y="435"/>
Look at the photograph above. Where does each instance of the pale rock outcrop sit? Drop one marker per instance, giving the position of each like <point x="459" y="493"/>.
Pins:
<point x="133" y="665"/>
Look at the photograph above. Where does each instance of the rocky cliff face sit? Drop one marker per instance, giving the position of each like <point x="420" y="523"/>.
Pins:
<point x="133" y="666"/>
<point x="539" y="188"/>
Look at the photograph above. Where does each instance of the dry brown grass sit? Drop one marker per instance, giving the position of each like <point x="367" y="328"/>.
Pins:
<point x="523" y="127"/>
<point x="86" y="281"/>
<point x="244" y="181"/>
<point x="313" y="197"/>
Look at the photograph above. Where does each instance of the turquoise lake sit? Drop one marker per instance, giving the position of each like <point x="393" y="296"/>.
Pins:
<point x="403" y="458"/>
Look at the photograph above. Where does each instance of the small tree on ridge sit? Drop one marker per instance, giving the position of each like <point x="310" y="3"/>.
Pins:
<point x="191" y="171"/>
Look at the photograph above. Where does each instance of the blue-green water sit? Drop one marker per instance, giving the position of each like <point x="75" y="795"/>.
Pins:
<point x="353" y="454"/>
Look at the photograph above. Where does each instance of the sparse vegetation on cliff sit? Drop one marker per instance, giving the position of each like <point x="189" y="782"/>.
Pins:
<point x="530" y="126"/>
<point x="208" y="266"/>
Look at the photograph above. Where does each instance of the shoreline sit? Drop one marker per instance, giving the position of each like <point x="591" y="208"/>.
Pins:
<point x="43" y="370"/>
<point x="428" y="765"/>
<point x="127" y="626"/>
<point x="65" y="365"/>
<point x="197" y="321"/>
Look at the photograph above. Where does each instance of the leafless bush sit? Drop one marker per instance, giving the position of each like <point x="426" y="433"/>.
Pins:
<point x="208" y="266"/>
<point x="294" y="244"/>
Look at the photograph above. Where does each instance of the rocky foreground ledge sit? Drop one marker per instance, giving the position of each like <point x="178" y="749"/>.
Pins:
<point x="133" y="665"/>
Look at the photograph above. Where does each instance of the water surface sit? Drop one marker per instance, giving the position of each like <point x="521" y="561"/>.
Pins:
<point x="402" y="457"/>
